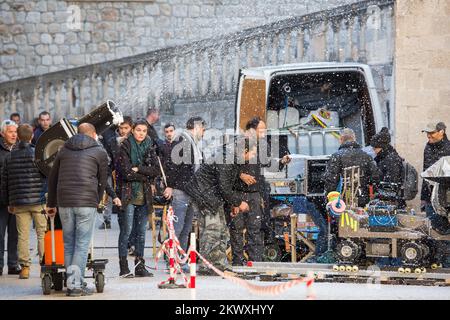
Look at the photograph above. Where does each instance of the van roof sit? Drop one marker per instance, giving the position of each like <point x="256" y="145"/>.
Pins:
<point x="266" y="71"/>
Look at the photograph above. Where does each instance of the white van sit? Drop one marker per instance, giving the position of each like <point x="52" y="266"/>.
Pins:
<point x="308" y="104"/>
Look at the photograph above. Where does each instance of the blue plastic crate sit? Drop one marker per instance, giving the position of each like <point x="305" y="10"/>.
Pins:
<point x="379" y="222"/>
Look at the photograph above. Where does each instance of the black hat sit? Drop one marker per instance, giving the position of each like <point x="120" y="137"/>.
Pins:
<point x="381" y="139"/>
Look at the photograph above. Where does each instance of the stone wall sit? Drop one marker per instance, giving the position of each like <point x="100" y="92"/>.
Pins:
<point x="422" y="65"/>
<point x="36" y="37"/>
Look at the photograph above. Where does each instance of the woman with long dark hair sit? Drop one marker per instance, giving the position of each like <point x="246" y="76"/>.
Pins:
<point x="138" y="166"/>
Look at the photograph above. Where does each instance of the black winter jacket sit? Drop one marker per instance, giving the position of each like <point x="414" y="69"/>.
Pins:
<point x="4" y="152"/>
<point x="22" y="182"/>
<point x="390" y="165"/>
<point x="146" y="173"/>
<point x="79" y="174"/>
<point x="212" y="186"/>
<point x="179" y="174"/>
<point x="432" y="153"/>
<point x="391" y="169"/>
<point x="350" y="154"/>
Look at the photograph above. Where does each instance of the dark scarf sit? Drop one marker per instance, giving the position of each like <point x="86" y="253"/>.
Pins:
<point x="137" y="154"/>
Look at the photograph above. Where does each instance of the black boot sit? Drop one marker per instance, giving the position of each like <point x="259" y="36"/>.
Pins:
<point x="123" y="263"/>
<point x="140" y="270"/>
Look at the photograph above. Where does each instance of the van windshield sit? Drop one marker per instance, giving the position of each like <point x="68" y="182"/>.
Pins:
<point x="312" y="108"/>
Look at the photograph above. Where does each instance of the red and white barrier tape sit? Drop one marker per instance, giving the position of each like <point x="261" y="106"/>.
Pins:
<point x="171" y="247"/>
<point x="264" y="290"/>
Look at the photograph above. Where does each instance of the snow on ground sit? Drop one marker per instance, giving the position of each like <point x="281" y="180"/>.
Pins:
<point x="208" y="288"/>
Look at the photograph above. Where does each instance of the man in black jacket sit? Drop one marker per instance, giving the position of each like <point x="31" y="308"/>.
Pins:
<point x="389" y="163"/>
<point x="23" y="187"/>
<point x="112" y="147"/>
<point x="211" y="189"/>
<point x="76" y="184"/>
<point x="152" y="117"/>
<point x="251" y="184"/>
<point x="184" y="160"/>
<point x="8" y="142"/>
<point x="438" y="146"/>
<point x="350" y="154"/>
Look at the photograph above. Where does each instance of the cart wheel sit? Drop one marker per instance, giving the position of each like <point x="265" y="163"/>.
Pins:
<point x="58" y="281"/>
<point x="46" y="284"/>
<point x="335" y="267"/>
<point x="100" y="282"/>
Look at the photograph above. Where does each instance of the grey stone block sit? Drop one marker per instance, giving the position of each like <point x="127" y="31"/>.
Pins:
<point x="111" y="36"/>
<point x="64" y="49"/>
<point x="20" y="39"/>
<point x="34" y="17"/>
<point x="59" y="38"/>
<point x="102" y="47"/>
<point x="76" y="59"/>
<point x="152" y="9"/>
<point x="53" y="49"/>
<point x="165" y="9"/>
<point x="20" y="17"/>
<point x="71" y="37"/>
<point x="41" y="6"/>
<point x="54" y="28"/>
<point x="47" y="60"/>
<point x="75" y="49"/>
<point x="180" y="11"/>
<point x="47" y="17"/>
<point x="42" y="27"/>
<point x="145" y="21"/>
<point x="7" y="17"/>
<point x="30" y="27"/>
<point x="42" y="49"/>
<point x="41" y="69"/>
<point x="33" y="38"/>
<point x="46" y="38"/>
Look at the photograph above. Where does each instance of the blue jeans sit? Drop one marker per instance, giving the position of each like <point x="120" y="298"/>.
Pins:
<point x="184" y="212"/>
<point x="303" y="205"/>
<point x="78" y="226"/>
<point x="8" y="222"/>
<point x="139" y="216"/>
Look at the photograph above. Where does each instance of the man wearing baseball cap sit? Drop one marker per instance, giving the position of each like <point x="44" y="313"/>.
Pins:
<point x="438" y="146"/>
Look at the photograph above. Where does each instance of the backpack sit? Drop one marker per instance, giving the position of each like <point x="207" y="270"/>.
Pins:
<point x="410" y="181"/>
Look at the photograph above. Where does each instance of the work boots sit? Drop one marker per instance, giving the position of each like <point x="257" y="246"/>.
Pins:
<point x="24" y="273"/>
<point x="124" y="270"/>
<point x="140" y="270"/>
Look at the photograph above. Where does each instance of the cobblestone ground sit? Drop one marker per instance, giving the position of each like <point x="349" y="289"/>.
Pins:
<point x="208" y="288"/>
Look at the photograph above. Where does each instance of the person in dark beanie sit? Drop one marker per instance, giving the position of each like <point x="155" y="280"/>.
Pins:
<point x="23" y="188"/>
<point x="438" y="146"/>
<point x="388" y="161"/>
